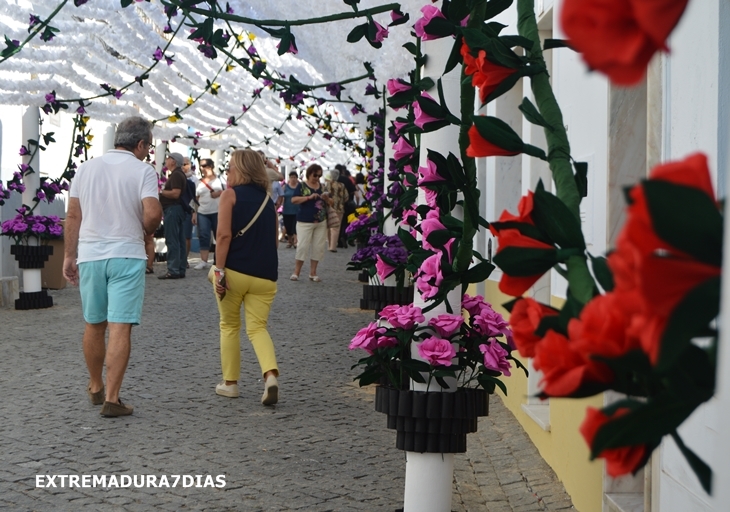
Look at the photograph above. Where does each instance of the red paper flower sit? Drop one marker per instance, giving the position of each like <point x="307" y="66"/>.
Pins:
<point x="565" y="369"/>
<point x="479" y="146"/>
<point x="619" y="461"/>
<point x="484" y="74"/>
<point x="619" y="37"/>
<point x="657" y="272"/>
<point x="524" y="210"/>
<point x="517" y="285"/>
<point x="524" y="320"/>
<point x="603" y="326"/>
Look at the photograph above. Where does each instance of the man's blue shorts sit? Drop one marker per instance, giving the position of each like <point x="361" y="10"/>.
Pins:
<point x="112" y="290"/>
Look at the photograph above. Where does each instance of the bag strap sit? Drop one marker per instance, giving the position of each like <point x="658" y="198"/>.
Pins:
<point x="261" y="209"/>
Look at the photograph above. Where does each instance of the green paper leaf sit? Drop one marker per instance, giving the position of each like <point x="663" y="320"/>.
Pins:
<point x="533" y="115"/>
<point x="478" y="273"/>
<point x="581" y="177"/>
<point x="686" y="218"/>
<point x="495" y="7"/>
<point x="700" y="467"/>
<point x="412" y="49"/>
<point x="646" y="424"/>
<point x="357" y="33"/>
<point x="439" y="237"/>
<point x="689" y="318"/>
<point x="498" y="133"/>
<point x="525" y="262"/>
<point x="556" y="43"/>
<point x="455" y="55"/>
<point x="512" y="41"/>
<point x="602" y="272"/>
<point x="441" y="27"/>
<point x="554" y="219"/>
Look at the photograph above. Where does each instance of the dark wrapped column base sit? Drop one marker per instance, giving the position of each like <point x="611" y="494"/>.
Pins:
<point x="432" y="422"/>
<point x="34" y="300"/>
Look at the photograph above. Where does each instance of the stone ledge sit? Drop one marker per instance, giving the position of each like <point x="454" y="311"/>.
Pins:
<point x="539" y="413"/>
<point x="625" y="502"/>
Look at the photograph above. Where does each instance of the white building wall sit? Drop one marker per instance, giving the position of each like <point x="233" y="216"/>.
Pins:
<point x="692" y="113"/>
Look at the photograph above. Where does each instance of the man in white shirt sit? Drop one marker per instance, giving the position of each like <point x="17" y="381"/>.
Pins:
<point x="113" y="203"/>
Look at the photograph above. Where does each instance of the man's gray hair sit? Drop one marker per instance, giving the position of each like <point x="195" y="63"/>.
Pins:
<point x="334" y="174"/>
<point x="131" y="131"/>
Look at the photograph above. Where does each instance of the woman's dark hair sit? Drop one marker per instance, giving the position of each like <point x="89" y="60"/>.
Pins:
<point x="360" y="178"/>
<point x="207" y="162"/>
<point x="312" y="169"/>
<point x="294" y="173"/>
<point x="132" y="130"/>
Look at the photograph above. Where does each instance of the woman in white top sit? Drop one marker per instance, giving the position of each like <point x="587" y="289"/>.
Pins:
<point x="207" y="193"/>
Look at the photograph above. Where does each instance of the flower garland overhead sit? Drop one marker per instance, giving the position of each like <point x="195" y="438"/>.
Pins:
<point x="159" y="69"/>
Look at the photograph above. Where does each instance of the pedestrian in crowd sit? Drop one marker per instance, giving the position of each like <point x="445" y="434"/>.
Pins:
<point x="360" y="188"/>
<point x="290" y="210"/>
<point x="187" y="168"/>
<point x="149" y="249"/>
<point x="349" y="205"/>
<point x="311" y="222"/>
<point x="113" y="204"/>
<point x="338" y="194"/>
<point x="277" y="195"/>
<point x="208" y="195"/>
<point x="174" y="215"/>
<point x="271" y="172"/>
<point x="246" y="271"/>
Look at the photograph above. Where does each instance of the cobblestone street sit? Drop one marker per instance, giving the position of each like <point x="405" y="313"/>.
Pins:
<point x="323" y="447"/>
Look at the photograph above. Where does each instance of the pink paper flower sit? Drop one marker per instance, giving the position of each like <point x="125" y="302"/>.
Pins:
<point x="429" y="174"/>
<point x="396" y="85"/>
<point x="384" y="269"/>
<point x="495" y="358"/>
<point x="387" y="341"/>
<point x="408" y="216"/>
<point x="381" y="32"/>
<point x="402" y="149"/>
<point x="399" y="127"/>
<point x="473" y="304"/>
<point x="437" y="351"/>
<point x="428" y="225"/>
<point x="446" y="325"/>
<point x="431" y="197"/>
<point x="404" y="317"/>
<point x="490" y="323"/>
<point x="422" y="118"/>
<point x="430" y="277"/>
<point x="429" y="12"/>
<point x="366" y="338"/>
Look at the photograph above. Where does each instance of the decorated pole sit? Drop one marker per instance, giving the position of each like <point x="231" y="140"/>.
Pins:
<point x="30" y="131"/>
<point x="389" y="226"/>
<point x="160" y="151"/>
<point x="429" y="476"/>
<point x="107" y="141"/>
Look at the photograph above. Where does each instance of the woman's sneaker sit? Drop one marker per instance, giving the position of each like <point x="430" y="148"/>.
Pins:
<point x="201" y="266"/>
<point x="271" y="391"/>
<point x="229" y="390"/>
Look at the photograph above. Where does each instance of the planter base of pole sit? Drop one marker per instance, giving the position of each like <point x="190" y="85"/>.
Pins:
<point x="378" y="296"/>
<point x="432" y="422"/>
<point x="34" y="300"/>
